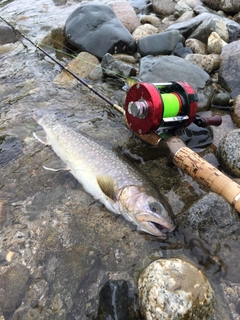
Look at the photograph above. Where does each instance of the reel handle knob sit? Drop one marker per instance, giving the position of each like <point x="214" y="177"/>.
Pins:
<point x="211" y="121"/>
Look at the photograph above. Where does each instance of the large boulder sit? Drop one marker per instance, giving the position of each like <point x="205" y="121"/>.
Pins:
<point x="172" y="68"/>
<point x="95" y="28"/>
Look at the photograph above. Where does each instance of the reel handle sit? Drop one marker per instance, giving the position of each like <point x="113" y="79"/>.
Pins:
<point x="211" y="121"/>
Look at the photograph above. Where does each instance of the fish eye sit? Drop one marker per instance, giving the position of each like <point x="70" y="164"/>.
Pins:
<point x="155" y="207"/>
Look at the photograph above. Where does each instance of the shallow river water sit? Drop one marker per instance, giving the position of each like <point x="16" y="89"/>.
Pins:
<point x="70" y="244"/>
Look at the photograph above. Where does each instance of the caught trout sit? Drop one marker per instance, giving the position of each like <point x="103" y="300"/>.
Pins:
<point x="109" y="178"/>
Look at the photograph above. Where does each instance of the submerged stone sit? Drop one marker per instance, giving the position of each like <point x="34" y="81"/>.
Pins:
<point x="115" y="302"/>
<point x="174" y="289"/>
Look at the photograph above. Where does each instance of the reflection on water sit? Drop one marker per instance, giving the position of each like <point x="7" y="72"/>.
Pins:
<point x="63" y="245"/>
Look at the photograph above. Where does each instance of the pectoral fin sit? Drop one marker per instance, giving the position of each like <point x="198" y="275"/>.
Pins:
<point x="107" y="185"/>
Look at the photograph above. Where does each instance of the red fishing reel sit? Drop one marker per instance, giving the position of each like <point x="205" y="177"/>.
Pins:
<point x="162" y="106"/>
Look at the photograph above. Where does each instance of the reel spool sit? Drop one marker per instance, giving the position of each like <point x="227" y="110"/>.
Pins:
<point x="160" y="106"/>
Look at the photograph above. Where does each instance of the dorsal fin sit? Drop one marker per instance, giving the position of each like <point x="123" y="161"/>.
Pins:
<point x="107" y="185"/>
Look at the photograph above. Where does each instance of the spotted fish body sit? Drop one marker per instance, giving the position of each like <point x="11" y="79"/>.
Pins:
<point x="109" y="178"/>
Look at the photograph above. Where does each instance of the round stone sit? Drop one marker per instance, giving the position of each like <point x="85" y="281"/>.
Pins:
<point x="229" y="152"/>
<point x="174" y="289"/>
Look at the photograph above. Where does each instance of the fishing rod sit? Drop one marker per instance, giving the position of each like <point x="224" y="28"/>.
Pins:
<point x="90" y="87"/>
<point x="152" y="110"/>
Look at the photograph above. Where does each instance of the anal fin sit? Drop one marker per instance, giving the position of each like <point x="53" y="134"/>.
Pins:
<point x="42" y="138"/>
<point x="56" y="165"/>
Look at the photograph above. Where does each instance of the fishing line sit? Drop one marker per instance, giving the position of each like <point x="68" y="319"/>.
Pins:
<point x="90" y="87"/>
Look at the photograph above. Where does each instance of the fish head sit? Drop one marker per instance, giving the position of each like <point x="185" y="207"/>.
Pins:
<point x="151" y="214"/>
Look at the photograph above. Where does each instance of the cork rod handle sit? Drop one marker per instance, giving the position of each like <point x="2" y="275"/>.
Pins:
<point x="207" y="175"/>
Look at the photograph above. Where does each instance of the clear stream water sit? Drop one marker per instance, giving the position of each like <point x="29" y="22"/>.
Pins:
<point x="71" y="244"/>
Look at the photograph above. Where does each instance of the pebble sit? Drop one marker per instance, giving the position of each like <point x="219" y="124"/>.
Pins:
<point x="215" y="43"/>
<point x="143" y="31"/>
<point x="174" y="289"/>
<point x="208" y="63"/>
<point x="196" y="46"/>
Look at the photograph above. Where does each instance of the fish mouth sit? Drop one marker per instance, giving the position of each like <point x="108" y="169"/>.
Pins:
<point x="155" y="225"/>
<point x="159" y="230"/>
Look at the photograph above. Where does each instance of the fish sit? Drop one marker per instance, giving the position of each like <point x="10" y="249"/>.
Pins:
<point x="108" y="176"/>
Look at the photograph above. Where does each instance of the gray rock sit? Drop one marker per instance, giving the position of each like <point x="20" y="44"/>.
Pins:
<point x="96" y="29"/>
<point x="181" y="51"/>
<point x="229" y="72"/>
<point x="213" y="23"/>
<point x="211" y="215"/>
<point x="172" y="68"/>
<point x="230" y="48"/>
<point x="160" y="43"/>
<point x="115" y="68"/>
<point x="229" y="152"/>
<point x="230" y="6"/>
<point x="186" y="28"/>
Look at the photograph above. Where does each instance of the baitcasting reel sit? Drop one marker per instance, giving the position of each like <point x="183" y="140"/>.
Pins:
<point x="162" y="106"/>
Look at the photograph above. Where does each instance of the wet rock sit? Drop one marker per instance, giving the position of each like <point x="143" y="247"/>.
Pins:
<point x="163" y="7"/>
<point x="161" y="43"/>
<point x="229" y="49"/>
<point x="211" y="215"/>
<point x="236" y="111"/>
<point x="221" y="99"/>
<point x="7" y="34"/>
<point x="115" y="68"/>
<point x="125" y="13"/>
<point x="143" y="31"/>
<point x="215" y="43"/>
<point x="174" y="289"/>
<point x="171" y="68"/>
<point x="229" y="152"/>
<point x="230" y="6"/>
<point x="96" y="29"/>
<point x="10" y="149"/>
<point x="82" y="66"/>
<point x="208" y="63"/>
<point x="116" y="302"/>
<point x="13" y="283"/>
<point x="229" y="72"/>
<point x="196" y="46"/>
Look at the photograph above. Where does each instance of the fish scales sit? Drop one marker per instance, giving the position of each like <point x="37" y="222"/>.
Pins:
<point x="109" y="177"/>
